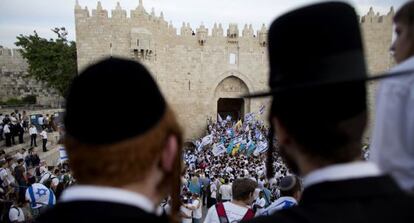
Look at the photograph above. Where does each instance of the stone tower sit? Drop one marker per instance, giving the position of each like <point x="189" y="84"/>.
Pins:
<point x="202" y="74"/>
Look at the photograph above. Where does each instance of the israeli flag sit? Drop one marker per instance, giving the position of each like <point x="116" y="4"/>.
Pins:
<point x="63" y="156"/>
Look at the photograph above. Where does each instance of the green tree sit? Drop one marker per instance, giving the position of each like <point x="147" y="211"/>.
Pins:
<point x="51" y="61"/>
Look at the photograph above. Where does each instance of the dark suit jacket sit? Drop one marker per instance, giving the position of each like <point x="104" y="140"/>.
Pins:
<point x="364" y="200"/>
<point x="95" y="211"/>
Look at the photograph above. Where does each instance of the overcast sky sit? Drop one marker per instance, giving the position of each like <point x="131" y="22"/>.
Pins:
<point x="24" y="16"/>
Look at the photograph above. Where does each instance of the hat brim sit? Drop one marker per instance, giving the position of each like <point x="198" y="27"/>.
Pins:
<point x="279" y="89"/>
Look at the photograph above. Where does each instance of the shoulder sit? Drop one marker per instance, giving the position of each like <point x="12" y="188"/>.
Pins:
<point x="95" y="211"/>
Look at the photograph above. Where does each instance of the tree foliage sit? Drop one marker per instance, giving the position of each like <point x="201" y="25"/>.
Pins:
<point x="51" y="61"/>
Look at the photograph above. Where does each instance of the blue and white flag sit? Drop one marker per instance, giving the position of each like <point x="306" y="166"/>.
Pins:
<point x="261" y="147"/>
<point x="63" y="156"/>
<point x="262" y="109"/>
<point x="249" y="117"/>
<point x="218" y="149"/>
<point x="205" y="141"/>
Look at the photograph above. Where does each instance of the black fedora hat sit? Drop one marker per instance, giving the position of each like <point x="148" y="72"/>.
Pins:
<point x="316" y="45"/>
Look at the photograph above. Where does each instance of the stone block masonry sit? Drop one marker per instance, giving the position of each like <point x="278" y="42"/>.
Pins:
<point x="198" y="67"/>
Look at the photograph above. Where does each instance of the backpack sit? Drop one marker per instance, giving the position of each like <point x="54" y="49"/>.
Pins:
<point x="221" y="213"/>
<point x="49" y="180"/>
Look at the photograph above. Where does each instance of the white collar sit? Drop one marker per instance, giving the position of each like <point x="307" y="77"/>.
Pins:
<point x="110" y="194"/>
<point x="358" y="169"/>
<point x="404" y="65"/>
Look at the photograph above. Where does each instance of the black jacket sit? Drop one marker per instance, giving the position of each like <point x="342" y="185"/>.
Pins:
<point x="364" y="200"/>
<point x="96" y="211"/>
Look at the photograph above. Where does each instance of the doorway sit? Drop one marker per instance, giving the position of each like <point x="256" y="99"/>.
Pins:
<point x="233" y="107"/>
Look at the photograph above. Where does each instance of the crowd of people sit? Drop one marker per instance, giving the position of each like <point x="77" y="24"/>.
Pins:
<point x="313" y="172"/>
<point x="28" y="186"/>
<point x="18" y="124"/>
<point x="231" y="150"/>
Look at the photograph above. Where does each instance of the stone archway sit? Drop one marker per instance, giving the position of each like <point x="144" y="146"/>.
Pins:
<point x="228" y="100"/>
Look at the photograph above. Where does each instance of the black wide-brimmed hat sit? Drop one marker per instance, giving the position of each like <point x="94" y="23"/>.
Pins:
<point x="111" y="101"/>
<point x="316" y="45"/>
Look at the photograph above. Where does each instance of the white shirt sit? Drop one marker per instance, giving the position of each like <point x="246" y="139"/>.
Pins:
<point x="7" y="177"/>
<point x="16" y="214"/>
<point x="213" y="190"/>
<point x="43" y="134"/>
<point x="13" y="120"/>
<point x="197" y="213"/>
<point x="234" y="213"/>
<point x="357" y="169"/>
<point x="4" y="177"/>
<point x="32" y="130"/>
<point x="260" y="202"/>
<point x="6" y="129"/>
<point x="40" y="120"/>
<point x="186" y="212"/>
<point x="392" y="147"/>
<point x="109" y="194"/>
<point x="225" y="191"/>
<point x="18" y="156"/>
<point x="41" y="195"/>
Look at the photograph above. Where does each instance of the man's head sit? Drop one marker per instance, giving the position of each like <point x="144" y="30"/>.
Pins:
<point x="320" y="117"/>
<point x="20" y="162"/>
<point x="243" y="190"/>
<point x="290" y="187"/>
<point x="403" y="46"/>
<point x="142" y="153"/>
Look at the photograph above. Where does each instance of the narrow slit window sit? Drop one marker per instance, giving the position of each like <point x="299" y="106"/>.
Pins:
<point x="232" y="59"/>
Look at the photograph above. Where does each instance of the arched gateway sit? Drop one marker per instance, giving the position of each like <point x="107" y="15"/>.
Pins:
<point x="228" y="100"/>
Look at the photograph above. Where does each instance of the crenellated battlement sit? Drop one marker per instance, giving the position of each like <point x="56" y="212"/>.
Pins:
<point x="372" y="17"/>
<point x="140" y="13"/>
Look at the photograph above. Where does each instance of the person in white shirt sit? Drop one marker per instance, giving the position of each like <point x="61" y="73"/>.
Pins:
<point x="259" y="203"/>
<point x="6" y="175"/>
<point x="16" y="213"/>
<point x="43" y="134"/>
<point x="47" y="177"/>
<point x="196" y="206"/>
<point x="213" y="194"/>
<point x="392" y="147"/>
<point x="225" y="191"/>
<point x="40" y="198"/>
<point x="1" y="126"/>
<point x="7" y="134"/>
<point x="239" y="208"/>
<point x="185" y="212"/>
<point x="33" y="135"/>
<point x="40" y="121"/>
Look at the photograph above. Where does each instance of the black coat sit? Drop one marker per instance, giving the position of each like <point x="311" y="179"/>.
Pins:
<point x="364" y="200"/>
<point x="96" y="211"/>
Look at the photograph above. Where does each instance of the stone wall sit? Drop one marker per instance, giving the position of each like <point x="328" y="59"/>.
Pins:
<point x="15" y="84"/>
<point x="377" y="32"/>
<point x="191" y="66"/>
